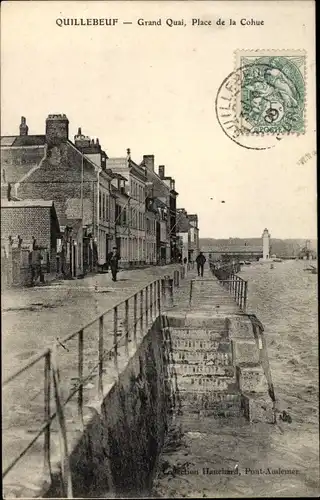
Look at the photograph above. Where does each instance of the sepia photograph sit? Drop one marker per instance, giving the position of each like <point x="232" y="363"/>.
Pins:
<point x="159" y="251"/>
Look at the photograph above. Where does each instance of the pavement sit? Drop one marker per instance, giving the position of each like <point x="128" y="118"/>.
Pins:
<point x="32" y="318"/>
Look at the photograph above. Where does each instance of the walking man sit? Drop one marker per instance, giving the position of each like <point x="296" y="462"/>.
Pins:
<point x="200" y="260"/>
<point x="113" y="262"/>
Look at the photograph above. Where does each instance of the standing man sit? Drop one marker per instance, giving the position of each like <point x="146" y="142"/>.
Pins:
<point x="113" y="262"/>
<point x="36" y="270"/>
<point x="200" y="260"/>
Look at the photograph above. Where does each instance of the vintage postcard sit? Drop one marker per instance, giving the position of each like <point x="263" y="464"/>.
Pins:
<point x="159" y="257"/>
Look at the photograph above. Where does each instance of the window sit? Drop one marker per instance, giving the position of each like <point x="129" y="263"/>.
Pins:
<point x="100" y="207"/>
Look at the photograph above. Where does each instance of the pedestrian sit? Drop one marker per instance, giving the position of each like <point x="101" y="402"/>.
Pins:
<point x="185" y="260"/>
<point x="114" y="263"/>
<point x="36" y="270"/>
<point x="200" y="260"/>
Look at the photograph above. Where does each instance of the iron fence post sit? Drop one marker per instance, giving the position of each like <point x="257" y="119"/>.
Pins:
<point x="163" y="291"/>
<point x="170" y="292"/>
<point x="146" y="306"/>
<point x="100" y="354"/>
<point x="151" y="301"/>
<point x="126" y="305"/>
<point x="80" y="376"/>
<point x="47" y="415"/>
<point x="141" y="313"/>
<point x="190" y="295"/>
<point x="245" y="296"/>
<point x="135" y="305"/>
<point x="159" y="296"/>
<point x="115" y="335"/>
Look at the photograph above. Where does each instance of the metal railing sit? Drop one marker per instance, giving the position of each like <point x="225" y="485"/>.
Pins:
<point x="236" y="286"/>
<point x="86" y="354"/>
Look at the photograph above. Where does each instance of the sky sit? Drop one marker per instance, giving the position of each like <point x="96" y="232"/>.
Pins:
<point x="153" y="88"/>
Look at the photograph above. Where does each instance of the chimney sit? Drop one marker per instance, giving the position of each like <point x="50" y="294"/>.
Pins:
<point x="162" y="171"/>
<point x="148" y="160"/>
<point x="23" y="126"/>
<point x="80" y="140"/>
<point x="128" y="154"/>
<point x="57" y="129"/>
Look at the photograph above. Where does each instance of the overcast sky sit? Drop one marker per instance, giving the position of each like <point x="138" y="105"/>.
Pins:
<point x="153" y="89"/>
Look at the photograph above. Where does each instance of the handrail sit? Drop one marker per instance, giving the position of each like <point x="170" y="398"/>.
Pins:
<point x="37" y="357"/>
<point x="237" y="286"/>
<point x="150" y="307"/>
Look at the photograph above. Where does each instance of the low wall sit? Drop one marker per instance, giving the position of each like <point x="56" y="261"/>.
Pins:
<point x="120" y="446"/>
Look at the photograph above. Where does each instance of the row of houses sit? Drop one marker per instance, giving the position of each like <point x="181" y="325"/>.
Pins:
<point x="77" y="203"/>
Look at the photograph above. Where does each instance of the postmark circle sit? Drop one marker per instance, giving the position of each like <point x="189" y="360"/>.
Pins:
<point x="246" y="104"/>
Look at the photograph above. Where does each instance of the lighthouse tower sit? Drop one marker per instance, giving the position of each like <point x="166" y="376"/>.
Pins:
<point x="266" y="244"/>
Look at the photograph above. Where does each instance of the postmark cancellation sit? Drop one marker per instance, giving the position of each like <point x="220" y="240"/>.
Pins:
<point x="271" y="91"/>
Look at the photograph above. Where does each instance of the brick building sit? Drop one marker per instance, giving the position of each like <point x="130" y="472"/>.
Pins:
<point x="30" y="220"/>
<point x="51" y="167"/>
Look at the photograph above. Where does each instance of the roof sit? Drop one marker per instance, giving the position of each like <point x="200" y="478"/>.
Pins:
<point x="23" y="140"/>
<point x="17" y="162"/>
<point x="115" y="175"/>
<point x="27" y="203"/>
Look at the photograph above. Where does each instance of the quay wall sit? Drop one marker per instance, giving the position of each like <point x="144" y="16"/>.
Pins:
<point x="119" y="448"/>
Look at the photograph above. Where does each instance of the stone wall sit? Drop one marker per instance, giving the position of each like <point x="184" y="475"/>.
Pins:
<point x="120" y="446"/>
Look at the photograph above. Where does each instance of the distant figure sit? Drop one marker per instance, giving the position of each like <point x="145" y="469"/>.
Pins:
<point x="200" y="260"/>
<point x="185" y="260"/>
<point x="113" y="262"/>
<point x="180" y="257"/>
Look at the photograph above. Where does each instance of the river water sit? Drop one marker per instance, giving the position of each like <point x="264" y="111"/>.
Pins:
<point x="285" y="300"/>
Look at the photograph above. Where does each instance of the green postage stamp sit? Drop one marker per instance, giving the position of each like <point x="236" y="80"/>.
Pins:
<point x="271" y="91"/>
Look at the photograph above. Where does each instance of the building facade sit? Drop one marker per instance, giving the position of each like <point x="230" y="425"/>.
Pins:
<point x="51" y="167"/>
<point x="194" y="237"/>
<point x="188" y="234"/>
<point x="163" y="191"/>
<point x="134" y="187"/>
